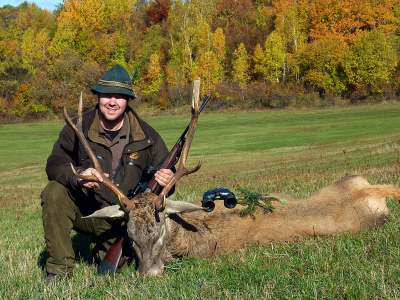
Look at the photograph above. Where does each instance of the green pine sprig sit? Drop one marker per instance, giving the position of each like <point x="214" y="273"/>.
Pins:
<point x="253" y="200"/>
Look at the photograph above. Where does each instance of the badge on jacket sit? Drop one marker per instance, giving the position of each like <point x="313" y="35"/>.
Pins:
<point x="134" y="156"/>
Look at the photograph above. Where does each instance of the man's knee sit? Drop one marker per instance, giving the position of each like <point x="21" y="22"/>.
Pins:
<point x="56" y="199"/>
<point x="52" y="192"/>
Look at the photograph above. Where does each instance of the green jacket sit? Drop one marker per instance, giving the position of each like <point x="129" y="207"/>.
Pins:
<point x="145" y="147"/>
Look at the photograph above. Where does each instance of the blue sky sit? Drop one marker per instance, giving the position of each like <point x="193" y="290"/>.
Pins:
<point x="48" y="4"/>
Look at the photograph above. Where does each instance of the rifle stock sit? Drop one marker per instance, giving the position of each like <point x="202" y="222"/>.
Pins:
<point x="112" y="260"/>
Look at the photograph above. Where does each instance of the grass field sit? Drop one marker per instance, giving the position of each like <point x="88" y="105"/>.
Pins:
<point x="296" y="152"/>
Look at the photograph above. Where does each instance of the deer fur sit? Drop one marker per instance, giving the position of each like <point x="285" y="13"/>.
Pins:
<point x="185" y="229"/>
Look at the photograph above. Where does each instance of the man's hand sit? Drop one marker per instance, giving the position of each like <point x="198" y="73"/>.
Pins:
<point x="90" y="184"/>
<point x="163" y="176"/>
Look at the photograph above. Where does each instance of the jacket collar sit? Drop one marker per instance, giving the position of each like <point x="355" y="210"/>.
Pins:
<point x="136" y="131"/>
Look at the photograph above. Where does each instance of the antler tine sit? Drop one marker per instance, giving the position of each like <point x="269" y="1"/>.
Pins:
<point x="182" y="170"/>
<point x="78" y="130"/>
<point x="126" y="205"/>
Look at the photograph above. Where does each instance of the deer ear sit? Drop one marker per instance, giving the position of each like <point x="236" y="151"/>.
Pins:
<point x="180" y="207"/>
<point x="109" y="212"/>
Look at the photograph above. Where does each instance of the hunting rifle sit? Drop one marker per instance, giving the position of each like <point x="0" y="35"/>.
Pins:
<point x="113" y="258"/>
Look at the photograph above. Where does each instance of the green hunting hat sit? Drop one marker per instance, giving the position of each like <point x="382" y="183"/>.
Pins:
<point x="115" y="81"/>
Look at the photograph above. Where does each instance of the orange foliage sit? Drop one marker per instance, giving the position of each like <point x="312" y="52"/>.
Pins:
<point x="158" y="10"/>
<point x="347" y="18"/>
<point x="21" y="100"/>
<point x="164" y="102"/>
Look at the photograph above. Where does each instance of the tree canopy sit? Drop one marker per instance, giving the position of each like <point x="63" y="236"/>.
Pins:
<point x="246" y="52"/>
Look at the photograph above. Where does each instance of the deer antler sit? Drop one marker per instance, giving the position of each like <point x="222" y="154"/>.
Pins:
<point x="126" y="205"/>
<point x="159" y="203"/>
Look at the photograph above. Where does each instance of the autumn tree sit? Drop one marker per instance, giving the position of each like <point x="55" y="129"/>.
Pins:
<point x="44" y="19"/>
<point x="219" y="46"/>
<point x="24" y="105"/>
<point x="154" y="75"/>
<point x="100" y="26"/>
<point x="185" y="19"/>
<point x="210" y="57"/>
<point x="349" y="19"/>
<point x="42" y="43"/>
<point x="258" y="62"/>
<point x="240" y="70"/>
<point x="11" y="70"/>
<point x="157" y="10"/>
<point x="61" y="83"/>
<point x="243" y="21"/>
<point x="331" y="46"/>
<point x="292" y="29"/>
<point x="15" y="21"/>
<point x="175" y="79"/>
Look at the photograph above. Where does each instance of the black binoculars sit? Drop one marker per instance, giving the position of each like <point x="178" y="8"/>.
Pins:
<point x="223" y="194"/>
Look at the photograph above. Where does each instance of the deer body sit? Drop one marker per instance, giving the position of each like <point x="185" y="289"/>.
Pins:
<point x="351" y="204"/>
<point x="185" y="230"/>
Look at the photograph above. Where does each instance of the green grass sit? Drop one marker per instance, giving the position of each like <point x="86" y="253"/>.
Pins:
<point x="296" y="152"/>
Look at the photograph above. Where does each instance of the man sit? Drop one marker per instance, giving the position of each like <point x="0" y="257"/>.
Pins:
<point x="124" y="145"/>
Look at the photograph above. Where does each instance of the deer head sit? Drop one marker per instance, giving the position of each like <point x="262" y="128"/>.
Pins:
<point x="146" y="213"/>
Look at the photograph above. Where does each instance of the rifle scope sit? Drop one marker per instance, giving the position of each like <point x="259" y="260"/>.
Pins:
<point x="147" y="174"/>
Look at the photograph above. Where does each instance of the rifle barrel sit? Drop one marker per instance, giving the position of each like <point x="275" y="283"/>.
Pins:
<point x="187" y="128"/>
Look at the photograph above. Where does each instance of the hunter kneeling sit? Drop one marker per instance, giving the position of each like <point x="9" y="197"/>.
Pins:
<point x="124" y="145"/>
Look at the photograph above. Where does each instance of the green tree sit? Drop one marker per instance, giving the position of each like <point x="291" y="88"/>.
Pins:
<point x="64" y="38"/>
<point x="321" y="64"/>
<point x="371" y="60"/>
<point x="274" y="57"/>
<point x="28" y="48"/>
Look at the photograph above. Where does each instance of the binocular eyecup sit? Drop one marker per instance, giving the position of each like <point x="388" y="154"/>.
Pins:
<point x="223" y="194"/>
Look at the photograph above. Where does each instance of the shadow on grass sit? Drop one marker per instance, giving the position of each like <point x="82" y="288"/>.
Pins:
<point x="81" y="246"/>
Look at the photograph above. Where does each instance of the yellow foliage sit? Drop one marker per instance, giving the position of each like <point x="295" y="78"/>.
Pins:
<point x="154" y="76"/>
<point x="241" y="66"/>
<point x="371" y="59"/>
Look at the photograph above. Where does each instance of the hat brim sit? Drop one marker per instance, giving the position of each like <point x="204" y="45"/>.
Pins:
<point x="112" y="90"/>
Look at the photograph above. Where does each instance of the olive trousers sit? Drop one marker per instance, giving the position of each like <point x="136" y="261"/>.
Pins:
<point x="62" y="211"/>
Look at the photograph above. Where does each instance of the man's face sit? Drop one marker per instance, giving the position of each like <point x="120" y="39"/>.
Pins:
<point x="112" y="106"/>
